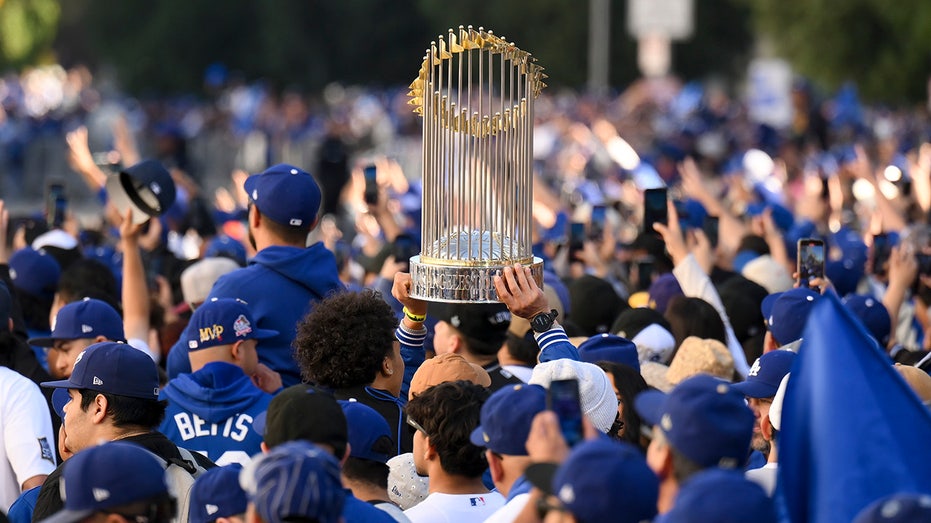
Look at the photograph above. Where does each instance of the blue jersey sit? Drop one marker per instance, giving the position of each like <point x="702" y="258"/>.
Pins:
<point x="211" y="411"/>
<point x="280" y="284"/>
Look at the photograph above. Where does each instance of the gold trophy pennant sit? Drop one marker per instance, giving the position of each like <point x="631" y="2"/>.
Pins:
<point x="475" y="91"/>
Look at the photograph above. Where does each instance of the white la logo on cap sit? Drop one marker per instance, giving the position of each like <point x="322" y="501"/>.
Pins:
<point x="81" y="355"/>
<point x="98" y="381"/>
<point x="211" y="509"/>
<point x="100" y="494"/>
<point x="755" y="369"/>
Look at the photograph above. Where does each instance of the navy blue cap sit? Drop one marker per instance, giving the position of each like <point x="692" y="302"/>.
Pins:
<point x="223" y="245"/>
<point x="295" y="480"/>
<point x="765" y="375"/>
<point x="146" y="187"/>
<point x="60" y="398"/>
<point x="506" y="417"/>
<point x="216" y="494"/>
<point x="897" y="508"/>
<point x="721" y="495"/>
<point x="84" y="319"/>
<point x="114" y="368"/>
<point x="369" y="434"/>
<point x="35" y="272"/>
<point x="109" y="475"/>
<point x="223" y="321"/>
<point x="601" y="480"/>
<point x="608" y="347"/>
<point x="286" y="194"/>
<point x="873" y="314"/>
<point x="786" y="312"/>
<point x="703" y="418"/>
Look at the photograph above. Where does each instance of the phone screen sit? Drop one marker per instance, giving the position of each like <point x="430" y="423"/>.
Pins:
<point x="596" y="228"/>
<point x="810" y="260"/>
<point x="371" y="185"/>
<point x="576" y="239"/>
<point x="710" y="228"/>
<point x="405" y="247"/>
<point x="563" y="400"/>
<point x="881" y="251"/>
<point x="56" y="205"/>
<point x="654" y="208"/>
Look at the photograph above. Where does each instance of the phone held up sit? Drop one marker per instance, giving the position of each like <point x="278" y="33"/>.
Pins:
<point x="810" y="263"/>
<point x="371" y="184"/>
<point x="654" y="208"/>
<point x="56" y="205"/>
<point x="563" y="399"/>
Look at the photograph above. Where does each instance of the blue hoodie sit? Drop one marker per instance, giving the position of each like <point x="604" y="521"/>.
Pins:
<point x="211" y="411"/>
<point x="280" y="284"/>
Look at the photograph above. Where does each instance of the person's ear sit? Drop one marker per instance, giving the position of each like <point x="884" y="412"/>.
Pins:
<point x="494" y="466"/>
<point x="769" y="343"/>
<point x="429" y="452"/>
<point x="264" y="447"/>
<point x="255" y="217"/>
<point x="342" y="462"/>
<point x="236" y="352"/>
<point x="387" y="368"/>
<point x="100" y="339"/>
<point x="98" y="408"/>
<point x="766" y="428"/>
<point x="666" y="460"/>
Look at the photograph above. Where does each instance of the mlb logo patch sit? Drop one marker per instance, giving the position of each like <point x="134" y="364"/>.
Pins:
<point x="242" y="326"/>
<point x="477" y="502"/>
<point x="46" y="450"/>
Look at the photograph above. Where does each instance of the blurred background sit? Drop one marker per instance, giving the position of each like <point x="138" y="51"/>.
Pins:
<point x="211" y="88"/>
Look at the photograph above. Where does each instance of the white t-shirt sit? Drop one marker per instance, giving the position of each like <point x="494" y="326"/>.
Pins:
<point x="508" y="513"/>
<point x="455" y="508"/>
<point x="26" y="441"/>
<point x="765" y="477"/>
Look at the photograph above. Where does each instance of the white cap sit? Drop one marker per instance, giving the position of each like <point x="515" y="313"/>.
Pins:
<point x="198" y="279"/>
<point x="775" y="410"/>
<point x="596" y="395"/>
<point x="654" y="343"/>
<point x="406" y="488"/>
<point x="768" y="273"/>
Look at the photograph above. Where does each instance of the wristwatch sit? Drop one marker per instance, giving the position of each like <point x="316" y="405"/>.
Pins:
<point x="543" y="321"/>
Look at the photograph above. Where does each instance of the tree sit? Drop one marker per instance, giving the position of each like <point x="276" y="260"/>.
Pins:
<point x="27" y="29"/>
<point x="885" y="47"/>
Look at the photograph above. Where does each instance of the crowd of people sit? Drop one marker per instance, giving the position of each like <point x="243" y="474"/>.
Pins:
<point x="257" y="354"/>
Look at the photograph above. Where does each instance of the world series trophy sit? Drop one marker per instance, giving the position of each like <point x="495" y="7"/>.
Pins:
<point x="475" y="92"/>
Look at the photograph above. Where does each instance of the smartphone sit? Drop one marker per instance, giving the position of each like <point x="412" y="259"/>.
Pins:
<point x="56" y="205"/>
<point x="563" y="399"/>
<point x="371" y="184"/>
<point x="810" y="260"/>
<point x="654" y="208"/>
<point x="596" y="227"/>
<point x="710" y="227"/>
<point x="644" y="273"/>
<point x="576" y="240"/>
<point x="881" y="250"/>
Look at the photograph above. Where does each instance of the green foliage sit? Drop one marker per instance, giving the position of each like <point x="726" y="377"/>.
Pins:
<point x="27" y="29"/>
<point x="885" y="47"/>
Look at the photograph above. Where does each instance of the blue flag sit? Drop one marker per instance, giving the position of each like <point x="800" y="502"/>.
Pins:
<point x="852" y="429"/>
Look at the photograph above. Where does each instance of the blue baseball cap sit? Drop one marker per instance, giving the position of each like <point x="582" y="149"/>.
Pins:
<point x="295" y="480"/>
<point x="663" y="290"/>
<point x="766" y="373"/>
<point x="608" y="347"/>
<point x="721" y="495"/>
<point x="106" y="476"/>
<point x="217" y="494"/>
<point x="782" y="217"/>
<point x="897" y="508"/>
<point x="35" y="272"/>
<point x="787" y="312"/>
<point x="873" y="314"/>
<point x="223" y="321"/>
<point x="505" y="419"/>
<point x="60" y="398"/>
<point x="223" y="245"/>
<point x="84" y="319"/>
<point x="113" y="368"/>
<point x="369" y="434"/>
<point x="146" y="187"/>
<point x="286" y="194"/>
<point x="703" y="418"/>
<point x="601" y="480"/>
